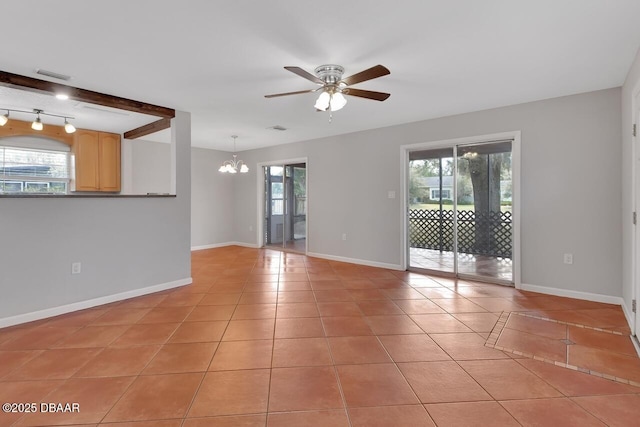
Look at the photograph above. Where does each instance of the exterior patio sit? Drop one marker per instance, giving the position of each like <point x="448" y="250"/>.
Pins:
<point x="484" y="242"/>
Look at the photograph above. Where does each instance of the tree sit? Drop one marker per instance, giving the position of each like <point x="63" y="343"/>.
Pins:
<point x="417" y="191"/>
<point x="464" y="190"/>
<point x="485" y="173"/>
<point x="431" y="167"/>
<point x="299" y="181"/>
<point x="484" y="170"/>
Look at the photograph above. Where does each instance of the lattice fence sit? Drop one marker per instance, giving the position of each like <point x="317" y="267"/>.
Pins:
<point x="479" y="233"/>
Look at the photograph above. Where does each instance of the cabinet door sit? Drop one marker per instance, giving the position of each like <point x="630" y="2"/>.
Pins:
<point x="109" y="162"/>
<point x="87" y="155"/>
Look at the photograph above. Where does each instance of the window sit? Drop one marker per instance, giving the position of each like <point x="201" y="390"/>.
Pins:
<point x="32" y="170"/>
<point x="435" y="194"/>
<point x="277" y="198"/>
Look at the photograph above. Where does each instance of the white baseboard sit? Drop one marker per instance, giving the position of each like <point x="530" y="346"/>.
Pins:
<point x="312" y="254"/>
<point x="356" y="261"/>
<point x="212" y="246"/>
<point x="630" y="318"/>
<point x="634" y="334"/>
<point x="81" y="305"/>
<point x="245" y="245"/>
<point x="636" y="343"/>
<point x="607" y="299"/>
<point x="222" y="245"/>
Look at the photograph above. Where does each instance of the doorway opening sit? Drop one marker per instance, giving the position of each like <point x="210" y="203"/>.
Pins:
<point x="460" y="217"/>
<point x="635" y="274"/>
<point x="285" y="207"/>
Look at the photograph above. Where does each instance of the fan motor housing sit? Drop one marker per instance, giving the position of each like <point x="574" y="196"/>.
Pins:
<point x="330" y="73"/>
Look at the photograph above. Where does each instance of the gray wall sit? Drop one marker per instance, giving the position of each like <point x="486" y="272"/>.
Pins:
<point x="571" y="155"/>
<point x="151" y="171"/>
<point x="123" y="244"/>
<point x="211" y="191"/>
<point x="212" y="209"/>
<point x="632" y="83"/>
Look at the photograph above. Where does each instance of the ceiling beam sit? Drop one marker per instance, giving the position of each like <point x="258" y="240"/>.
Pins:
<point x="147" y="129"/>
<point x="83" y="95"/>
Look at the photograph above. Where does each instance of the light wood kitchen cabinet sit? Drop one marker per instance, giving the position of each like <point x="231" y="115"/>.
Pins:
<point x="96" y="161"/>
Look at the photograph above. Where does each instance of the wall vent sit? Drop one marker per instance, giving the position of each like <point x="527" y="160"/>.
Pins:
<point x="52" y="74"/>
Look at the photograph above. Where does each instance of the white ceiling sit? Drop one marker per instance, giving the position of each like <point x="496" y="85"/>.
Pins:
<point x="217" y="59"/>
<point x="80" y="114"/>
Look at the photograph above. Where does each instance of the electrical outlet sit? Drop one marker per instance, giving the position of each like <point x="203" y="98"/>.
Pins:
<point x="251" y="228"/>
<point x="568" y="258"/>
<point x="76" y="268"/>
<point x="391" y="194"/>
<point x="344" y="236"/>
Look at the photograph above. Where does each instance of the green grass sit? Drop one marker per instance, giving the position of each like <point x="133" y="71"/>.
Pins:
<point x="435" y="206"/>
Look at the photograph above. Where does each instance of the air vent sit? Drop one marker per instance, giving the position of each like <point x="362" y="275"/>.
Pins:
<point x="278" y="127"/>
<point x="52" y="74"/>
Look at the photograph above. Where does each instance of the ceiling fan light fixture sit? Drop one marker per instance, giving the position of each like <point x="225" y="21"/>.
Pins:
<point x="322" y="103"/>
<point x="334" y="86"/>
<point x="337" y="101"/>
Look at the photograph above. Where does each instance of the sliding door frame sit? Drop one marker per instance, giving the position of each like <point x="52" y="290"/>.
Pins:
<point x="261" y="197"/>
<point x="515" y="170"/>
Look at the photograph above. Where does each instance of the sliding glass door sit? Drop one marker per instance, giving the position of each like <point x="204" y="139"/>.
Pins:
<point x="285" y="206"/>
<point x="431" y="210"/>
<point x="460" y="218"/>
<point x="484" y="217"/>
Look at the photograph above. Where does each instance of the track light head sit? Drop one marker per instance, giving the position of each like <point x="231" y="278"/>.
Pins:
<point x="37" y="123"/>
<point x="68" y="127"/>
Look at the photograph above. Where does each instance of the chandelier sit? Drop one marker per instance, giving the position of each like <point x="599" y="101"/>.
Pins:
<point x="234" y="165"/>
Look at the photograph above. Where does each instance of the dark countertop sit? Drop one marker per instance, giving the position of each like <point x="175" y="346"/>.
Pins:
<point x="77" y="196"/>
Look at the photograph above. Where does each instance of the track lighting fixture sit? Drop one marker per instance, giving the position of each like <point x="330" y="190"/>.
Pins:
<point x="37" y="122"/>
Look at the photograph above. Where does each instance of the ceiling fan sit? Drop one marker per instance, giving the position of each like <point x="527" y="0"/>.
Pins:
<point x="333" y="87"/>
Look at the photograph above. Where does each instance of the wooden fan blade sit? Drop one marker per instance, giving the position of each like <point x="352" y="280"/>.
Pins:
<point x="369" y="74"/>
<point x="305" y="74"/>
<point x="369" y="94"/>
<point x="289" y="93"/>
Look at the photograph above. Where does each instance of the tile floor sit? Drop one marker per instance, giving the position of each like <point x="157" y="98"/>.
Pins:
<point x="476" y="265"/>
<point x="299" y="245"/>
<point x="600" y="349"/>
<point x="265" y="338"/>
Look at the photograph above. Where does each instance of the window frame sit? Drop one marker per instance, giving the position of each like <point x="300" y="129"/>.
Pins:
<point x="435" y="194"/>
<point x="29" y="179"/>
